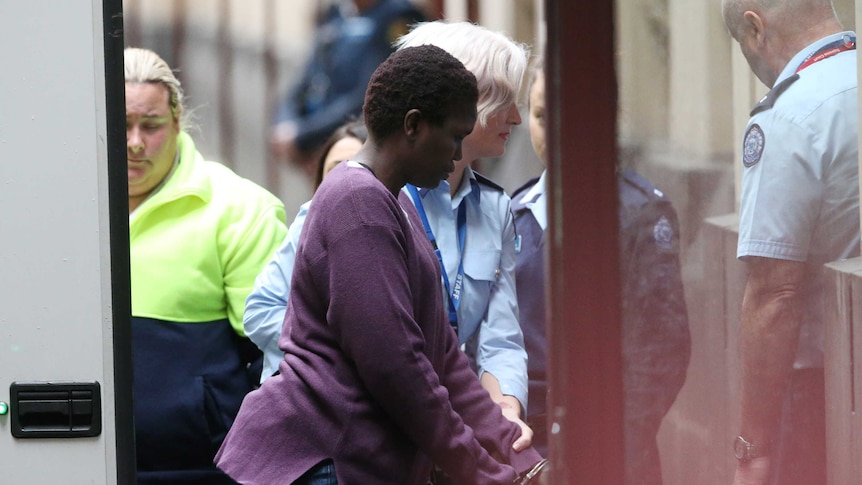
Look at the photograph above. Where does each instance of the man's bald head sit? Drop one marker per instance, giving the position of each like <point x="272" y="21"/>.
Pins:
<point x="771" y="32"/>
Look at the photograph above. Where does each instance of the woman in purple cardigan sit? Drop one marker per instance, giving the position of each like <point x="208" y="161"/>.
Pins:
<point x="373" y="388"/>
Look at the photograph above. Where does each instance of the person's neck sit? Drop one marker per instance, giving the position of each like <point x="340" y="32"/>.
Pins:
<point x="380" y="166"/>
<point x="803" y="38"/>
<point x="135" y="202"/>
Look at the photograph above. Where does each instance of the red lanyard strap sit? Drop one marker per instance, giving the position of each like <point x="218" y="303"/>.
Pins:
<point x="846" y="44"/>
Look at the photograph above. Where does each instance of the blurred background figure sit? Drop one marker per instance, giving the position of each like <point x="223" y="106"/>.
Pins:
<point x="656" y="340"/>
<point x="199" y="234"/>
<point x="353" y="37"/>
<point x="267" y="303"/>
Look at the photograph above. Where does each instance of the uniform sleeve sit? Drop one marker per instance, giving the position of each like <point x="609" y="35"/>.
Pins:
<point x="266" y="305"/>
<point x="656" y="338"/>
<point x="781" y="190"/>
<point x="501" y="341"/>
<point x="249" y="244"/>
<point x="379" y="334"/>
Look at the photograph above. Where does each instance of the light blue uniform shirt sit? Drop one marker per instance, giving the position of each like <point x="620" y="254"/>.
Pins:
<point x="538" y="204"/>
<point x="489" y="303"/>
<point x="800" y="188"/>
<point x="267" y="303"/>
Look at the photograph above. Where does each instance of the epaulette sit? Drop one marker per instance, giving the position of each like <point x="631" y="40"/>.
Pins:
<point x="768" y="101"/>
<point x="640" y="188"/>
<point x="527" y="186"/>
<point x="486" y="181"/>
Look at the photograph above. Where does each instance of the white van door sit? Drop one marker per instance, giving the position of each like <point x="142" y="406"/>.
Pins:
<point x="65" y="363"/>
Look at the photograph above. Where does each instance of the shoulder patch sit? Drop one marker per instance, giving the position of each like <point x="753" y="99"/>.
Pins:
<point x="662" y="233"/>
<point x="752" y="145"/>
<point x="486" y="181"/>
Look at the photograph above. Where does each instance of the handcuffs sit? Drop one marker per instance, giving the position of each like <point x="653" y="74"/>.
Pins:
<point x="532" y="474"/>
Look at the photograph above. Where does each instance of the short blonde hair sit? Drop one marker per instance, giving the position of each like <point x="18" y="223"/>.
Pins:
<point x="145" y="66"/>
<point x="498" y="62"/>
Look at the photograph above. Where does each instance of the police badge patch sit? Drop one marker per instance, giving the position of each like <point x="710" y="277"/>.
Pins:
<point x="752" y="146"/>
<point x="662" y="233"/>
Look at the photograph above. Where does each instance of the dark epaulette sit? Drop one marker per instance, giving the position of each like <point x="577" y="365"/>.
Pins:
<point x="486" y="181"/>
<point x="768" y="101"/>
<point x="636" y="190"/>
<point x="527" y="186"/>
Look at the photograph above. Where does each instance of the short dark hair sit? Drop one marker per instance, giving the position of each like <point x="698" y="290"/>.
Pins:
<point x="354" y="128"/>
<point x="426" y="78"/>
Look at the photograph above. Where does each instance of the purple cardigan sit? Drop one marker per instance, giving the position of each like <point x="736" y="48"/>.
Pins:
<point x="372" y="377"/>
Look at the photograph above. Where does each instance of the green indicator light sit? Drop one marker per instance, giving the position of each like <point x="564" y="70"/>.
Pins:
<point x="4" y="408"/>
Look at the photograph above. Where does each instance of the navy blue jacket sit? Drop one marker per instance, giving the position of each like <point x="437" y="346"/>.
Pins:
<point x="656" y="339"/>
<point x="189" y="382"/>
<point x="347" y="50"/>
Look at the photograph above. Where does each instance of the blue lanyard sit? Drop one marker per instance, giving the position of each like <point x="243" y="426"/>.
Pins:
<point x="454" y="293"/>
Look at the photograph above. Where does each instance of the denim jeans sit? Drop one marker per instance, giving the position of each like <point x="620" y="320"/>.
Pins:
<point x="321" y="474"/>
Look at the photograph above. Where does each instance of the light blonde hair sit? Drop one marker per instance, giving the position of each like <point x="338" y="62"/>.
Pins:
<point x="145" y="66"/>
<point x="498" y="62"/>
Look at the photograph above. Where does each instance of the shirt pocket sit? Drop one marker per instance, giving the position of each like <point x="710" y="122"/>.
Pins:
<point x="482" y="266"/>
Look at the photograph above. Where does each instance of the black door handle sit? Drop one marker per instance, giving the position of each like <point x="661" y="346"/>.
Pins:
<point x="55" y="410"/>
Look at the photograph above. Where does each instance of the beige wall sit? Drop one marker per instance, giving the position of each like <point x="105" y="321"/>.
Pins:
<point x="642" y="69"/>
<point x="292" y="20"/>
<point x="699" y="119"/>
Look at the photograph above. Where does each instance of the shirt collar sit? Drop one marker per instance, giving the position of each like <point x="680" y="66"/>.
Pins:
<point x="800" y="56"/>
<point x="536" y="191"/>
<point x="187" y="177"/>
<point x="469" y="187"/>
<point x="534" y="200"/>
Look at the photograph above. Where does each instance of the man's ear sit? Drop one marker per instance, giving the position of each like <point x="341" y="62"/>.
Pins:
<point x="412" y="120"/>
<point x="752" y="24"/>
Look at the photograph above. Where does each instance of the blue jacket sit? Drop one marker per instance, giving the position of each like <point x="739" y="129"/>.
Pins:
<point x="347" y="50"/>
<point x="656" y="339"/>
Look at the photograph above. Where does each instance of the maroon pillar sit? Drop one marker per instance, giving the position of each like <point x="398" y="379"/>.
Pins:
<point x="583" y="302"/>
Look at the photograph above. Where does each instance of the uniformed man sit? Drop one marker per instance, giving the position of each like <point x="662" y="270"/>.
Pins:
<point x="799" y="210"/>
<point x="656" y="339"/>
<point x="353" y="38"/>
